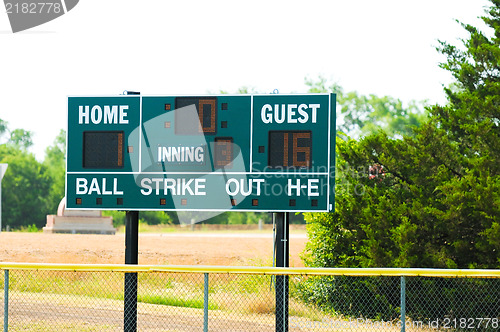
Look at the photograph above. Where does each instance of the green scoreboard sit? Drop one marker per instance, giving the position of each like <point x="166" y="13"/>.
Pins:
<point x="273" y="153"/>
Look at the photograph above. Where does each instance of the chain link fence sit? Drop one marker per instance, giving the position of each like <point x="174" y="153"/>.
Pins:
<point x="41" y="297"/>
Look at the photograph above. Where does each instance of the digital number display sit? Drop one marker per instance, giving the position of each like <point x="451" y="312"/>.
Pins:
<point x="103" y="149"/>
<point x="205" y="123"/>
<point x="223" y="152"/>
<point x="290" y="149"/>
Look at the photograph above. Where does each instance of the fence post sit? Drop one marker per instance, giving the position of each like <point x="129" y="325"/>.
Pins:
<point x="205" y="304"/>
<point x="403" y="304"/>
<point x="6" y="302"/>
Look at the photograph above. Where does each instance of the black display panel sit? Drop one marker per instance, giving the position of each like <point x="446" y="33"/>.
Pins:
<point x="206" y="121"/>
<point x="290" y="149"/>
<point x="103" y="149"/>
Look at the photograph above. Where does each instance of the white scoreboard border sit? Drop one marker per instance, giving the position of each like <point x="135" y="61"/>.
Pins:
<point x="206" y="173"/>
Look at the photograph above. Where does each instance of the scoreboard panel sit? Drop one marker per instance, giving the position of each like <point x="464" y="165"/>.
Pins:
<point x="201" y="153"/>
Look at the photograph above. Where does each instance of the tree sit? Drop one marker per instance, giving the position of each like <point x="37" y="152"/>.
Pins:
<point x="431" y="199"/>
<point x="3" y="127"/>
<point x="434" y="200"/>
<point x="19" y="138"/>
<point x="25" y="188"/>
<point x="362" y="115"/>
<point x="55" y="163"/>
<point x="24" y="200"/>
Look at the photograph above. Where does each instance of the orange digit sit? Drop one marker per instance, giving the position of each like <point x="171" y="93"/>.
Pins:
<point x="297" y="149"/>
<point x="210" y="102"/>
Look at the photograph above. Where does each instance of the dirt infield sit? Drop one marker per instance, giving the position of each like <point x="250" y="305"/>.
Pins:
<point x="184" y="248"/>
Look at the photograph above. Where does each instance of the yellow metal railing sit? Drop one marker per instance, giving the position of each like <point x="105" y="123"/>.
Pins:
<point x="401" y="272"/>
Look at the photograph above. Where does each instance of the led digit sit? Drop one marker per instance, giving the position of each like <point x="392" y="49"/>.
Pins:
<point x="223" y="152"/>
<point x="290" y="149"/>
<point x="204" y="122"/>
<point x="207" y="115"/>
<point x="103" y="149"/>
<point x="306" y="150"/>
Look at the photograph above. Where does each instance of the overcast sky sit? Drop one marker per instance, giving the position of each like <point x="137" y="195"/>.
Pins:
<point x="384" y="47"/>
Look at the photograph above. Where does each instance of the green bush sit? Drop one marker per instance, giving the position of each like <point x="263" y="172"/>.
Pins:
<point x="32" y="228"/>
<point x="147" y="217"/>
<point x="427" y="299"/>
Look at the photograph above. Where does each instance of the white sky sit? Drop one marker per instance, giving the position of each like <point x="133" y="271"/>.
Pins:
<point x="384" y="47"/>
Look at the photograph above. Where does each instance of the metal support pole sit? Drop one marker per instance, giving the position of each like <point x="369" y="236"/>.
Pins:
<point x="131" y="257"/>
<point x="205" y="304"/>
<point x="6" y="302"/>
<point x="403" y="304"/>
<point x="282" y="260"/>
